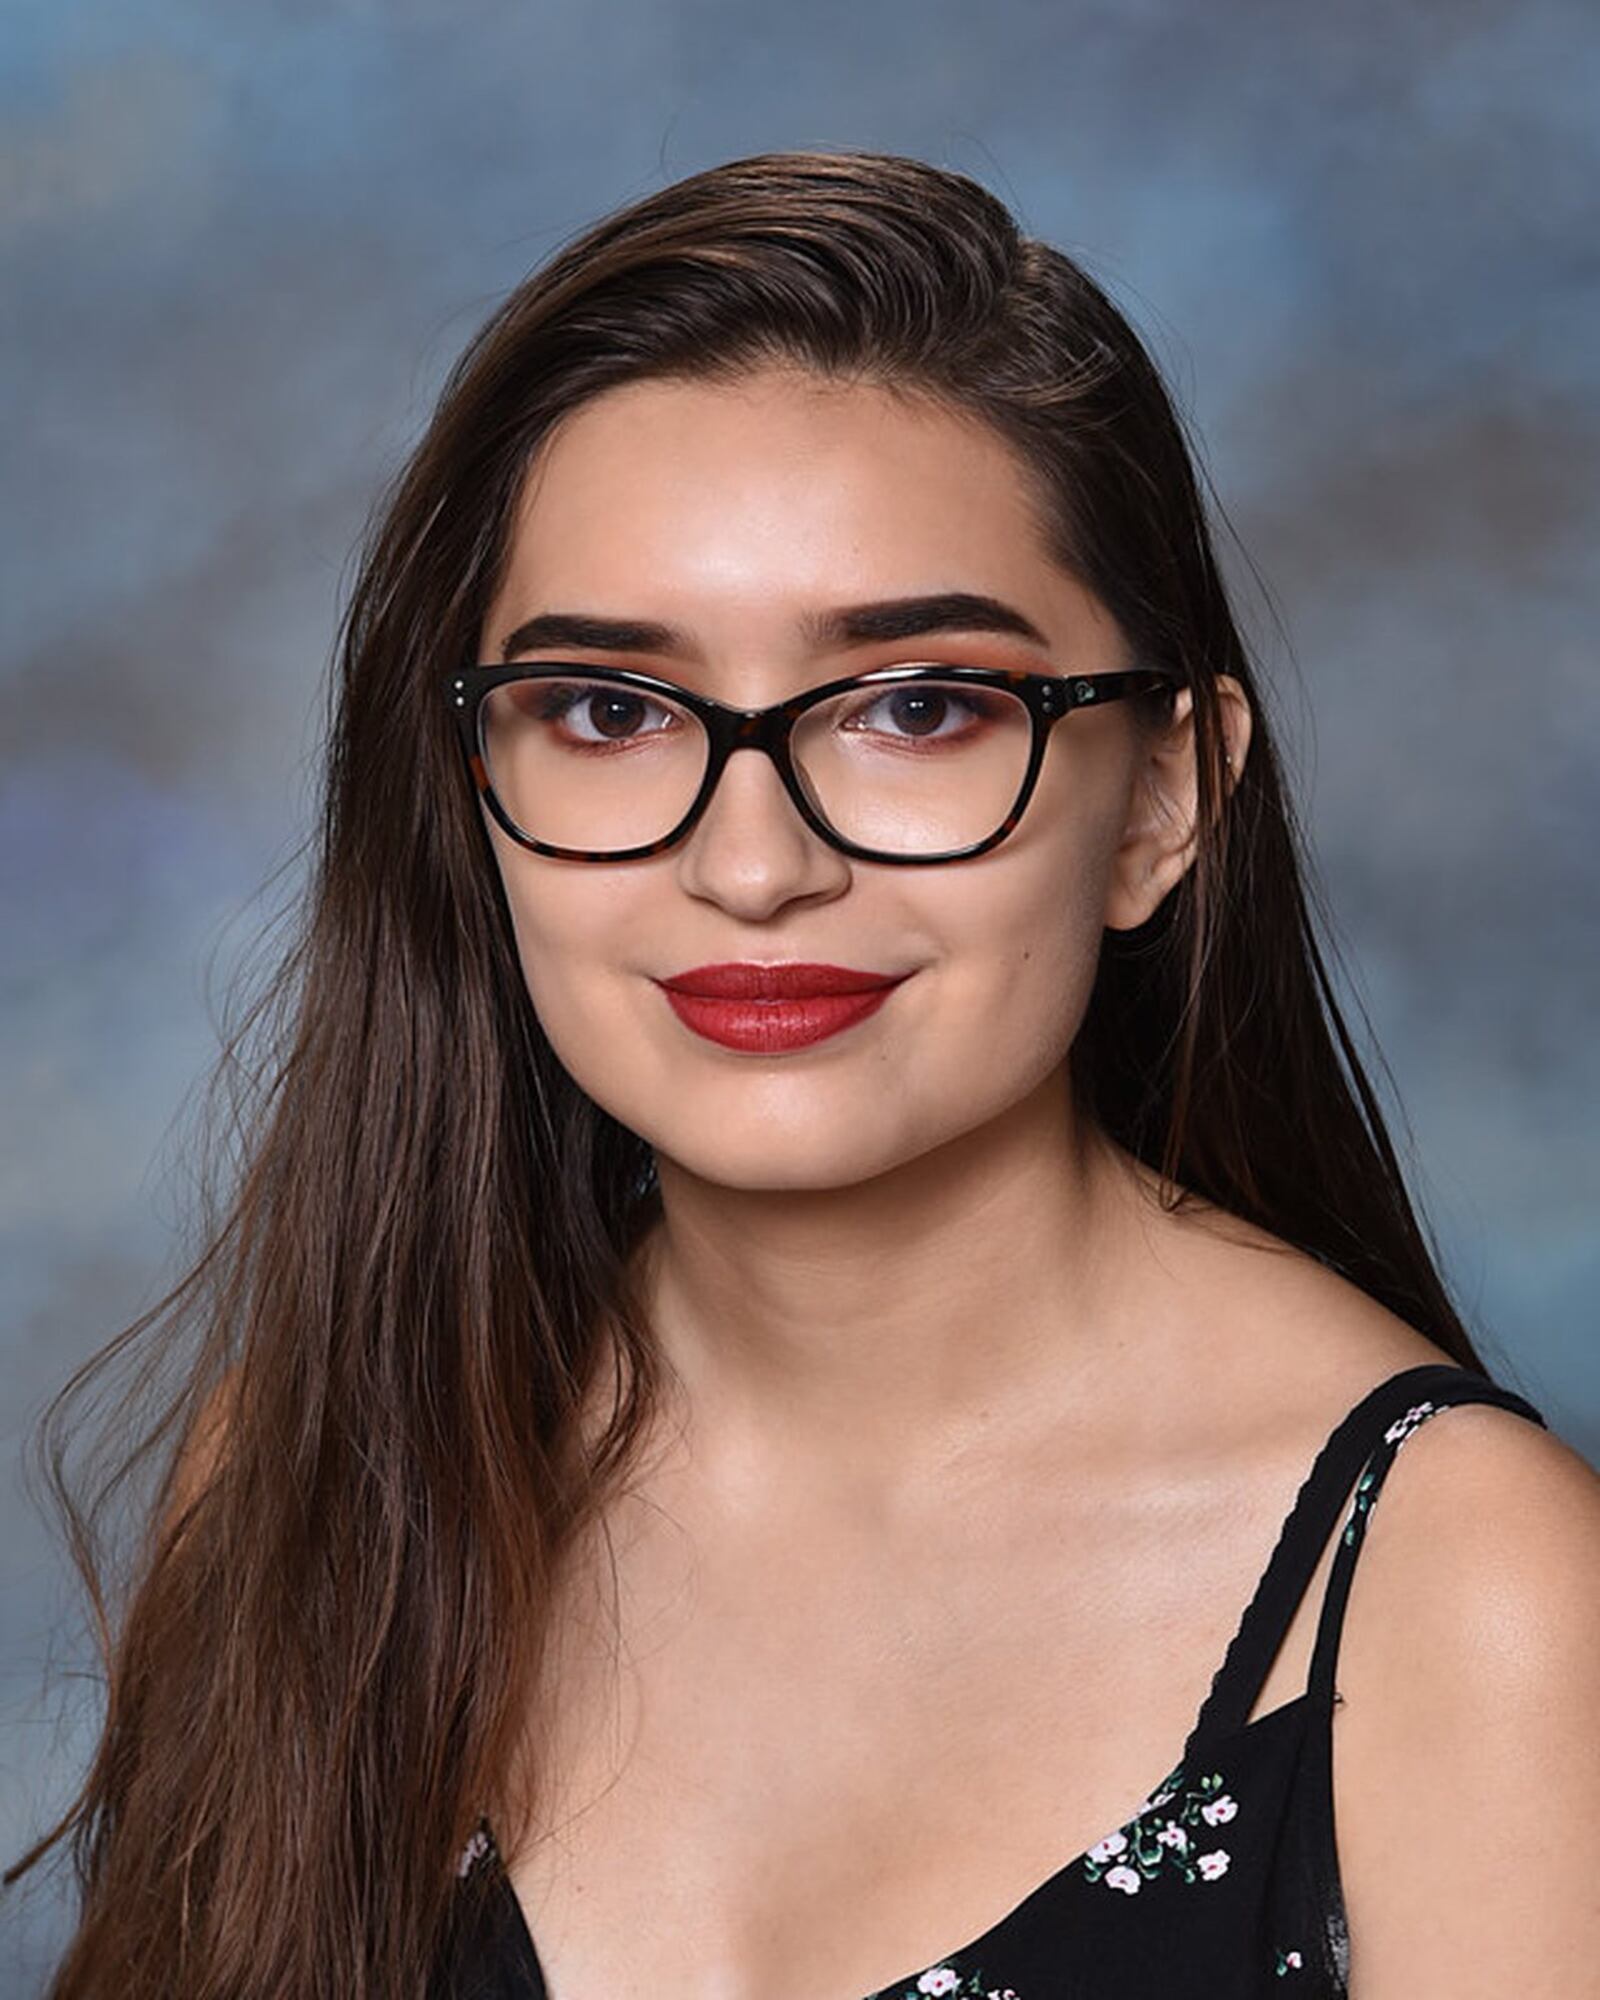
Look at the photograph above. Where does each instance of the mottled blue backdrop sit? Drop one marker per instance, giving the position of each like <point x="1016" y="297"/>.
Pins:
<point x="241" y="245"/>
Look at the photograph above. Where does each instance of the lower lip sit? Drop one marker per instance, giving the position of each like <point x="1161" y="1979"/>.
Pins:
<point x="763" y="1026"/>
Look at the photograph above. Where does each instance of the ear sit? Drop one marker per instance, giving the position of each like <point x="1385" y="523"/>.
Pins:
<point x="1158" y="840"/>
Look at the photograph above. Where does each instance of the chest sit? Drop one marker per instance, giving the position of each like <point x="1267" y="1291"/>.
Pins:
<point x="795" y="1763"/>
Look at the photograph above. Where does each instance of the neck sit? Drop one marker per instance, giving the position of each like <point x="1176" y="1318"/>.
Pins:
<point x="860" y="1340"/>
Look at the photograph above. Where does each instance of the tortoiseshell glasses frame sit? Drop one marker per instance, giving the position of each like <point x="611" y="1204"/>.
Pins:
<point x="1048" y="698"/>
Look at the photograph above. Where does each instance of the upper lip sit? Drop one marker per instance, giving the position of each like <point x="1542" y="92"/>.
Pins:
<point x="749" y="981"/>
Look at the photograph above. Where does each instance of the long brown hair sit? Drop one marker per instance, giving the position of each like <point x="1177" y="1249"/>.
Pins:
<point x="419" y="1262"/>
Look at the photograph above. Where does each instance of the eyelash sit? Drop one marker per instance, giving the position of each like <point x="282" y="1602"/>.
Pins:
<point x="558" y="700"/>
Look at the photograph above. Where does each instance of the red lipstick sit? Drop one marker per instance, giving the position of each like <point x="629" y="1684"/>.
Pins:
<point x="766" y="1008"/>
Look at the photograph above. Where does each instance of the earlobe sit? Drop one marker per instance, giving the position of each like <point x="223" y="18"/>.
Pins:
<point x="1160" y="840"/>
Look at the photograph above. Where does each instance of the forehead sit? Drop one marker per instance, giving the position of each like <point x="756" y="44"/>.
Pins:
<point x="771" y="494"/>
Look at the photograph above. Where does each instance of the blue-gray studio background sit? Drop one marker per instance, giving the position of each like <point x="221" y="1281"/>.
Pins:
<point x="243" y="242"/>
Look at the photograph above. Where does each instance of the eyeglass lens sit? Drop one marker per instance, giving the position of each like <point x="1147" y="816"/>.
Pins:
<point x="914" y="768"/>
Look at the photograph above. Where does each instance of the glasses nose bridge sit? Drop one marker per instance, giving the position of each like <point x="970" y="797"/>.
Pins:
<point x="758" y="729"/>
<point x="764" y="729"/>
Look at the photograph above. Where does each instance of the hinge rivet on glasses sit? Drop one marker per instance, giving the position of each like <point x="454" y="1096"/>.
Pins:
<point x="1084" y="690"/>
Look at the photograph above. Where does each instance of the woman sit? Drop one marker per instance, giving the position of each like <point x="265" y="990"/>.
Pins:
<point x="780" y="1303"/>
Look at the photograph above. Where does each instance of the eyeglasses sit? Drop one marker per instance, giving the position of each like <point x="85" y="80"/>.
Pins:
<point x="912" y="764"/>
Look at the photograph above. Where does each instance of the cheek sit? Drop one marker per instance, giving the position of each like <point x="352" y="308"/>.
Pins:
<point x="571" y="938"/>
<point x="1020" y="974"/>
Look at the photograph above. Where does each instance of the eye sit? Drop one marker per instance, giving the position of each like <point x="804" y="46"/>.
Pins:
<point x="924" y="711"/>
<point x="586" y="713"/>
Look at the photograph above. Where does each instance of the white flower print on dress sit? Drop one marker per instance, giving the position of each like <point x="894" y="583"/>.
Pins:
<point x="1154" y="1841"/>
<point x="1403" y="1426"/>
<point x="943" y="1982"/>
<point x="1395" y="1435"/>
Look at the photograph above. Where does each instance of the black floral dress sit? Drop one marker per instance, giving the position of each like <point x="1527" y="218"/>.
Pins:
<point x="1223" y="1881"/>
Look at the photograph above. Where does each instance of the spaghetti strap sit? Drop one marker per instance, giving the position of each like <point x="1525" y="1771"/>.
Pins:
<point x="1431" y="1398"/>
<point x="1357" y="1455"/>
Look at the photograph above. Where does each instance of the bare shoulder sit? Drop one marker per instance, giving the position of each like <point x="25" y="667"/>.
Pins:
<point x="1288" y="1344"/>
<point x="1486" y="1539"/>
<point x="1467" y="1748"/>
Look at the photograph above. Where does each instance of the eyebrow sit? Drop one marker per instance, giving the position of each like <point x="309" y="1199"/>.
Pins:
<point x="849" y="625"/>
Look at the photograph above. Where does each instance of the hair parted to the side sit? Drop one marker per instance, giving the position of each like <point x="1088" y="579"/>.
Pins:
<point x="418" y="1267"/>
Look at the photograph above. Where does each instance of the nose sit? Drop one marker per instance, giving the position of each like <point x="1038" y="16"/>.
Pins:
<point x="750" y="850"/>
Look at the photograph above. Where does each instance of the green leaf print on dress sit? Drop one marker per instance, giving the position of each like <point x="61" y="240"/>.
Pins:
<point x="945" y="1983"/>
<point x="1396" y="1434"/>
<point x="1170" y="1833"/>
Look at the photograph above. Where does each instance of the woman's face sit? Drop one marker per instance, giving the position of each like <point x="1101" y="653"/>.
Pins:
<point x="735" y="513"/>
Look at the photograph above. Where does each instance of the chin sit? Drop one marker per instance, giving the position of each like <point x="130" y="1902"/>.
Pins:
<point x="770" y="1158"/>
